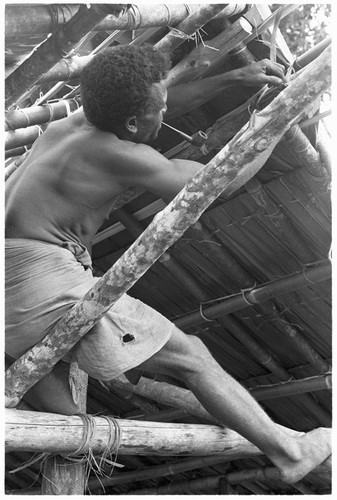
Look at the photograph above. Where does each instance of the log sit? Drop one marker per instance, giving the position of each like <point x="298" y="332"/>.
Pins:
<point x="36" y="432"/>
<point x="53" y="433"/>
<point x="232" y="167"/>
<point x="49" y="52"/>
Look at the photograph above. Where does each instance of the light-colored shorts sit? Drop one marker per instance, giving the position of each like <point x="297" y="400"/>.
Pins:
<point x="43" y="281"/>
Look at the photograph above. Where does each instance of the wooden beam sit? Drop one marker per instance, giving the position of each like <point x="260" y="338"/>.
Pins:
<point x="36" y="432"/>
<point x="232" y="167"/>
<point x="53" y="433"/>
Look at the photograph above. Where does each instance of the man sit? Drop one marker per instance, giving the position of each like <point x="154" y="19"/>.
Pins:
<point x="58" y="199"/>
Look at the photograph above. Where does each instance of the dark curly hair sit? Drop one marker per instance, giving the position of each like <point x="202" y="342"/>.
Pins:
<point x="116" y="84"/>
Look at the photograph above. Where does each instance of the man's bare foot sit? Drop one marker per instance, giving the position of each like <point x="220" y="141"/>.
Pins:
<point x="306" y="452"/>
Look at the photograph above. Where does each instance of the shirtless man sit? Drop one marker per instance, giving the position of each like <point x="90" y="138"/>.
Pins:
<point x="58" y="199"/>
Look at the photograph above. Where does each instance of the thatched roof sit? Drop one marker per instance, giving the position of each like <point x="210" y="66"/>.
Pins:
<point x="274" y="234"/>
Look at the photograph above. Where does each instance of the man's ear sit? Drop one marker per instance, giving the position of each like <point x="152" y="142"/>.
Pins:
<point x="131" y="124"/>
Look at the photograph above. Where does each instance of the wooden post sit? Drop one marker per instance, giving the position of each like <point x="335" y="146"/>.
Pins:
<point x="60" y="475"/>
<point x="232" y="167"/>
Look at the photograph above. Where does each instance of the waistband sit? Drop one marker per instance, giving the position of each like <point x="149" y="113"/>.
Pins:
<point x="79" y="251"/>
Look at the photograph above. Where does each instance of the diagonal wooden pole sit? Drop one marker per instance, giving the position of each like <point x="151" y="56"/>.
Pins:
<point x="232" y="167"/>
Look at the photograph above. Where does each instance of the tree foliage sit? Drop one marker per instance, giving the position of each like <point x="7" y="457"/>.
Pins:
<point x="306" y="26"/>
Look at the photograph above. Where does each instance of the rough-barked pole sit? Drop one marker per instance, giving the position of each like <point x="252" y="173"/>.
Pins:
<point x="232" y="167"/>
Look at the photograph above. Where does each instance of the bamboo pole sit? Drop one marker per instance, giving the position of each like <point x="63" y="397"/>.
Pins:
<point x="178" y="397"/>
<point x="13" y="153"/>
<point x="311" y="54"/>
<point x="23" y="20"/>
<point x="225" y="173"/>
<point x="15" y="164"/>
<point x="168" y="469"/>
<point x="211" y="483"/>
<point x="37" y="115"/>
<point x="207" y="59"/>
<point x="194" y="288"/>
<point x="23" y="136"/>
<point x="68" y="69"/>
<point x="204" y="57"/>
<point x="40" y="19"/>
<point x="304" y="152"/>
<point x="261" y="293"/>
<point x="294" y="387"/>
<point x="49" y="52"/>
<point x="192" y="23"/>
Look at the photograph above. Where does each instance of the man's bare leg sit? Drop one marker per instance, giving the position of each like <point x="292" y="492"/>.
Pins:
<point x="186" y="357"/>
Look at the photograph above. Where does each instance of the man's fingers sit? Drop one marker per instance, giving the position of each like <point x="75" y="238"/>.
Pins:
<point x="276" y="69"/>
<point x="273" y="80"/>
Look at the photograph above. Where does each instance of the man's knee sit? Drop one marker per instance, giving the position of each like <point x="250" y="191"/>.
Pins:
<point x="181" y="355"/>
<point x="193" y="355"/>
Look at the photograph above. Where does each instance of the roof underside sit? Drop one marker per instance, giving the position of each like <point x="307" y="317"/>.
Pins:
<point x="275" y="226"/>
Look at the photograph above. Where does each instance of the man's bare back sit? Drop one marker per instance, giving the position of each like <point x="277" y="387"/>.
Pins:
<point x="66" y="182"/>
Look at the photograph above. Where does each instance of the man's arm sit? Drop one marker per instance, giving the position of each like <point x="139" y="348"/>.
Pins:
<point x="187" y="96"/>
<point x="142" y="166"/>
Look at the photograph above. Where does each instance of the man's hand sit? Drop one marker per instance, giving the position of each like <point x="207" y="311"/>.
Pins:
<point x="261" y="73"/>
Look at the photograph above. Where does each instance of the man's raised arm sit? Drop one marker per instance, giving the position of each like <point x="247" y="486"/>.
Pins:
<point x="187" y="96"/>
